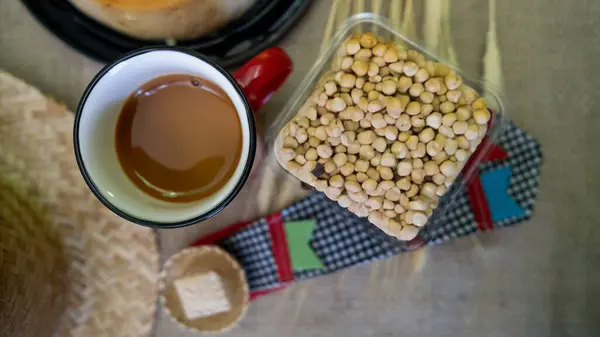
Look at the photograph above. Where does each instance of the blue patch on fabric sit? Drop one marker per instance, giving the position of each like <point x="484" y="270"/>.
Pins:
<point x="495" y="186"/>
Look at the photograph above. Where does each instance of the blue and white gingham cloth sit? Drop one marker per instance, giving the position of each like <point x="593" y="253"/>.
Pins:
<point x="342" y="240"/>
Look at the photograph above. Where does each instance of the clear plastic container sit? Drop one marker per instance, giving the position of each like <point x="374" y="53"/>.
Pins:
<point x="369" y="22"/>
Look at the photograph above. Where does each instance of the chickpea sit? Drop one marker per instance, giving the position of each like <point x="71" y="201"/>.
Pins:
<point x="447" y="107"/>
<point x="335" y="129"/>
<point x="430" y="168"/>
<point x="446" y="131"/>
<point x="389" y="119"/>
<point x="394" y="107"/>
<point x="364" y="54"/>
<point x="373" y="174"/>
<point x="404" y="135"/>
<point x="428" y="190"/>
<point x="300" y="159"/>
<point x="374" y="203"/>
<point x="369" y="185"/>
<point x="366" y="137"/>
<point x="481" y="116"/>
<point x="448" y="168"/>
<point x="412" y="142"/>
<point x="399" y="149"/>
<point x="301" y="135"/>
<point x="404" y="168"/>
<point x="366" y="152"/>
<point x="359" y="197"/>
<point x="390" y="56"/>
<point x="434" y="120"/>
<point x="416" y="218"/>
<point x="472" y="132"/>
<point x="344" y="201"/>
<point x="337" y="105"/>
<point x="361" y="177"/>
<point x="463" y="113"/>
<point x="438" y="178"/>
<point x="332" y="192"/>
<point x="454" y="96"/>
<point x="440" y="190"/>
<point x="433" y="85"/>
<point x="375" y="106"/>
<point x="378" y="219"/>
<point x="403" y="123"/>
<point x="352" y="186"/>
<point x="368" y="40"/>
<point x="290" y="142"/>
<point x="479" y="104"/>
<point x="361" y="165"/>
<point x="292" y="166"/>
<point x="462" y="142"/>
<point x="452" y="81"/>
<point x="329" y="166"/>
<point x="413" y="108"/>
<point x="410" y="68"/>
<point x="380" y="144"/>
<point x="377" y="121"/>
<point x="404" y="83"/>
<point x="420" y="152"/>
<point x="460" y="127"/>
<point x="433" y="148"/>
<point x="347" y="169"/>
<point x="391" y="133"/>
<point x="376" y="161"/>
<point x="350" y="125"/>
<point x="376" y="79"/>
<point x="386" y="185"/>
<point x="421" y="76"/>
<point x="388" y="87"/>
<point x="340" y="159"/>
<point x="360" y="68"/>
<point x="393" y="194"/>
<point x="461" y="155"/>
<point x="426" y="135"/>
<point x="388" y="160"/>
<point x="451" y="146"/>
<point x="414" y="190"/>
<point x="418" y="204"/>
<point x="287" y="154"/>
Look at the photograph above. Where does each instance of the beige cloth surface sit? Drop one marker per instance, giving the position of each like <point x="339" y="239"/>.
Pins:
<point x="541" y="278"/>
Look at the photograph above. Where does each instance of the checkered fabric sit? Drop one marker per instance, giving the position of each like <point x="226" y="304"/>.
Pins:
<point x="251" y="247"/>
<point x="342" y="240"/>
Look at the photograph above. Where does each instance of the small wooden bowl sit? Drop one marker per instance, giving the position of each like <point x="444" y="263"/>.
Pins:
<point x="199" y="260"/>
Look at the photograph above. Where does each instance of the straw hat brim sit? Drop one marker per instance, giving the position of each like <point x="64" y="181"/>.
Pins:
<point x="113" y="265"/>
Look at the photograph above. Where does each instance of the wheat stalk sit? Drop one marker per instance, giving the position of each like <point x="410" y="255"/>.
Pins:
<point x="492" y="62"/>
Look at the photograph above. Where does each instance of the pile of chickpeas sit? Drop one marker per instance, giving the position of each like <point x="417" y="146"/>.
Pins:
<point x="385" y="133"/>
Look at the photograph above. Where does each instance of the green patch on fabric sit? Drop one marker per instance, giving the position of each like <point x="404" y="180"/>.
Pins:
<point x="297" y="234"/>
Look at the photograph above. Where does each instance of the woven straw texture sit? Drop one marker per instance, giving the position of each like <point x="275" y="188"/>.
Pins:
<point x="112" y="265"/>
<point x="32" y="268"/>
<point x="198" y="260"/>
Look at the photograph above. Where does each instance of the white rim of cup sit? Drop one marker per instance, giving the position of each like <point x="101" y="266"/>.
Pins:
<point x="148" y="223"/>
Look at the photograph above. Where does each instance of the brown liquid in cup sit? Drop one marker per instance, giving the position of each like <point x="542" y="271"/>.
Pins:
<point x="179" y="138"/>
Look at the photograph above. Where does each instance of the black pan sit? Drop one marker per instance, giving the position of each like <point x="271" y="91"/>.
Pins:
<point x="259" y="28"/>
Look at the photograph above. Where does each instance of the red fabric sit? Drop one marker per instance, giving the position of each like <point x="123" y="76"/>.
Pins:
<point x="263" y="75"/>
<point x="479" y="204"/>
<point x="280" y="248"/>
<point x="260" y="293"/>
